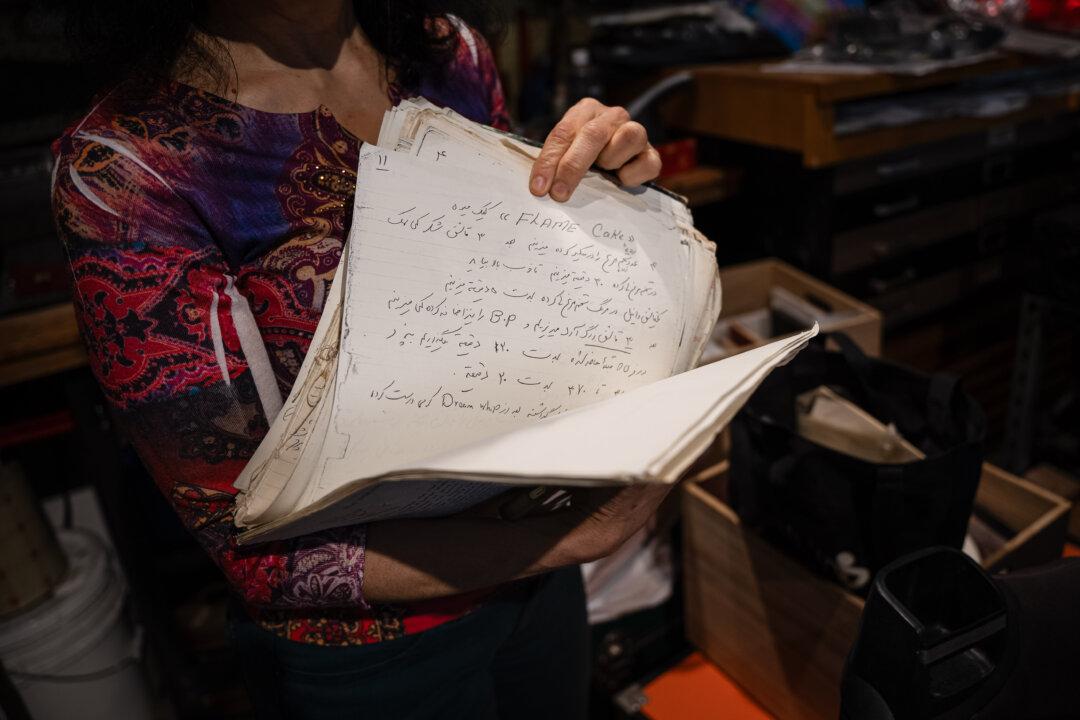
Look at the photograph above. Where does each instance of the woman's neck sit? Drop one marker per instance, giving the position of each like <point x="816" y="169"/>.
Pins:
<point x="291" y="56"/>
<point x="294" y="33"/>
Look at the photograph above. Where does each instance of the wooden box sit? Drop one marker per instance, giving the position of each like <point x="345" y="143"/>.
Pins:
<point x="1063" y="484"/>
<point x="782" y="632"/>
<point x="747" y="287"/>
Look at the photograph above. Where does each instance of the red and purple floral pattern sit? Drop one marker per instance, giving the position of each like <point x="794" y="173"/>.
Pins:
<point x="203" y="237"/>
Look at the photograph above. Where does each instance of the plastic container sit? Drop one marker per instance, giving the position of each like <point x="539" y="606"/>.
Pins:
<point x="31" y="562"/>
<point x="73" y="655"/>
<point x="931" y="636"/>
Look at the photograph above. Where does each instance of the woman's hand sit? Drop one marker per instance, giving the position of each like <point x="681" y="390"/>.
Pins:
<point x="592" y="132"/>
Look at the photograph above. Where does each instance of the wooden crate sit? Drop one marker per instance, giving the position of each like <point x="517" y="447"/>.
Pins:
<point x="1060" y="483"/>
<point x="746" y="287"/>
<point x="782" y="632"/>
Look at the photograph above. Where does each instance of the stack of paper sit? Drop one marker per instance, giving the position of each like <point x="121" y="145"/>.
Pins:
<point x="477" y="337"/>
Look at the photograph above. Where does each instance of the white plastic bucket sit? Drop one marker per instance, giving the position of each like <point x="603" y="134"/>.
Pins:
<point x="73" y="656"/>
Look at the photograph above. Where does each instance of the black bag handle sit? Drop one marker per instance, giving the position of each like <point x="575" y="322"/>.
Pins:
<point x="856" y="358"/>
<point x="743" y="494"/>
<point x="854" y="370"/>
<point x="889" y="508"/>
<point x="939" y="401"/>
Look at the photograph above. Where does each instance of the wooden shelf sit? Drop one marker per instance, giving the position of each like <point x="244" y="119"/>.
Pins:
<point x="837" y="87"/>
<point x="748" y="103"/>
<point x="39" y="343"/>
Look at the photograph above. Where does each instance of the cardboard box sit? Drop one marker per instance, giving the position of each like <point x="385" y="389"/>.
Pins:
<point x="782" y="632"/>
<point x="748" y="289"/>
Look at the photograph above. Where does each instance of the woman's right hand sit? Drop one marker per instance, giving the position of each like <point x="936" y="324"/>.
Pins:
<point x="410" y="560"/>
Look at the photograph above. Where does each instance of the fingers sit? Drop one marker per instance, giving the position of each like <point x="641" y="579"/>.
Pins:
<point x="558" y="142"/>
<point x="629" y="140"/>
<point x="644" y="167"/>
<point x="590" y="141"/>
<point x="589" y="133"/>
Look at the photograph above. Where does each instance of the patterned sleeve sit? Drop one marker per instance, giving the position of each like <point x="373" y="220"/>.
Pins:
<point x="152" y="292"/>
<point x="489" y="76"/>
<point x="473" y="88"/>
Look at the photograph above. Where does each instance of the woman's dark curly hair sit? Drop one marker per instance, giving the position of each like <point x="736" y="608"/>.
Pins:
<point x="150" y="39"/>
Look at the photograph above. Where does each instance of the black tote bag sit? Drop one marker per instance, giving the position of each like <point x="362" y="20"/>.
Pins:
<point x="844" y="516"/>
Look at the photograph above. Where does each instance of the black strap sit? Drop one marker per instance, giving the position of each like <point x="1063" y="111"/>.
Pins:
<point x="855" y="370"/>
<point x="743" y="493"/>
<point x="890" y="521"/>
<point x="856" y="358"/>
<point x="782" y="469"/>
<point x="885" y="403"/>
<point x="939" y="405"/>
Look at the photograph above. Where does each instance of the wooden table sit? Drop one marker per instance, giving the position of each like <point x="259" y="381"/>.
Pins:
<point x="795" y="111"/>
<point x="39" y="343"/>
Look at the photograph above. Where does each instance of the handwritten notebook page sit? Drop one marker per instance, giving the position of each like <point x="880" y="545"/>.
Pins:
<point x="470" y="304"/>
<point x="281" y="479"/>
<point x="281" y="486"/>
<point x="281" y="475"/>
<point x="441" y="135"/>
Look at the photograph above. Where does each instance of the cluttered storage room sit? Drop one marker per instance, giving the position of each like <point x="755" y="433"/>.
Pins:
<point x="540" y="360"/>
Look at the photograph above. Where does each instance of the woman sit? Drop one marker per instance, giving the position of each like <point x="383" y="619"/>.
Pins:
<point x="203" y="201"/>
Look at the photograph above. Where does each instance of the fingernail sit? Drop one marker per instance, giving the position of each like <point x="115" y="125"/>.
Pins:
<point x="560" y="191"/>
<point x="538" y="184"/>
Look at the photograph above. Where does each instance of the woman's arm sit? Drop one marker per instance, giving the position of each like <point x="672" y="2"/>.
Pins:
<point x="421" y="559"/>
<point x="156" y="304"/>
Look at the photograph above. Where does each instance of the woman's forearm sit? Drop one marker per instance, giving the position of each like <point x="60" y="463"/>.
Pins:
<point x="410" y="560"/>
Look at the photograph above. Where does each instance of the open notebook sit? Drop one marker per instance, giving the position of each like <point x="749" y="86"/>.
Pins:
<point x="476" y="338"/>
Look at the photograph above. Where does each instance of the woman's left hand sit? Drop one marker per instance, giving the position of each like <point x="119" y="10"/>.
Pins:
<point x="591" y="132"/>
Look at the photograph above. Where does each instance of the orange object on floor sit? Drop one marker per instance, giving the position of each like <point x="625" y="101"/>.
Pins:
<point x="1071" y="550"/>
<point x="695" y="689"/>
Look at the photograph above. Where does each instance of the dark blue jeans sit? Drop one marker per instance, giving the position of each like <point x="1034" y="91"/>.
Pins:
<point x="522" y="656"/>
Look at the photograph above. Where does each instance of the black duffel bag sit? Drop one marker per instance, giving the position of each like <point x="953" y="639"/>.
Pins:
<point x="844" y="516"/>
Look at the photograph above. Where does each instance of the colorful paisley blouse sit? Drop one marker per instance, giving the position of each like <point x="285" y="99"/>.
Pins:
<point x="202" y="237"/>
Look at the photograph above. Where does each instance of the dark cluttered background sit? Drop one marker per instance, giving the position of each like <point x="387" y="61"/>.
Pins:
<point x="908" y="171"/>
